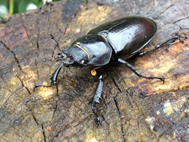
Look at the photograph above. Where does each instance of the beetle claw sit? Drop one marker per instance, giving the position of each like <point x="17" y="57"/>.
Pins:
<point x="97" y="121"/>
<point x="34" y="88"/>
<point x="162" y="79"/>
<point x="181" y="39"/>
<point x="51" y="35"/>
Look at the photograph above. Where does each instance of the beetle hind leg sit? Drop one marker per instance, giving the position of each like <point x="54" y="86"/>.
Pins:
<point x="137" y="72"/>
<point x="53" y="78"/>
<point x="98" y="94"/>
<point x="171" y="40"/>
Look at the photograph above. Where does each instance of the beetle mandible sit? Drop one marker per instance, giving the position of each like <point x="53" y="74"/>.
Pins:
<point x="111" y="42"/>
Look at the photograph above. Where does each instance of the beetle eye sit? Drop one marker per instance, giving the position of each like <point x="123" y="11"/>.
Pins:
<point x="82" y="61"/>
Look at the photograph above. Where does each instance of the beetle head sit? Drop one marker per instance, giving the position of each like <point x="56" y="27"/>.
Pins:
<point x="73" y="56"/>
<point x="66" y="59"/>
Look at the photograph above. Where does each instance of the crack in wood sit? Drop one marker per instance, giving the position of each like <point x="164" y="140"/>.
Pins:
<point x="121" y="125"/>
<point x="42" y="127"/>
<point x="43" y="132"/>
<point x="23" y="84"/>
<point x="14" y="55"/>
<point x="180" y="20"/>
<point x="37" y="68"/>
<point x="116" y="85"/>
<point x="34" y="117"/>
<point x="166" y="9"/>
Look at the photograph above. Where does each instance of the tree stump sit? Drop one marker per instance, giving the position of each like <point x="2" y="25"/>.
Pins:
<point x="63" y="112"/>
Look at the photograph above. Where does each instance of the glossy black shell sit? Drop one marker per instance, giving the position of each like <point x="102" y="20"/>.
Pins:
<point x="97" y="49"/>
<point x="128" y="35"/>
<point x="122" y="38"/>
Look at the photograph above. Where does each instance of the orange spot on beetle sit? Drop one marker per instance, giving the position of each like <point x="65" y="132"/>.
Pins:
<point x="93" y="72"/>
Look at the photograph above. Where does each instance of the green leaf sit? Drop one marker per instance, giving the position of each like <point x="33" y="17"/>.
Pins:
<point x="36" y="2"/>
<point x="40" y="4"/>
<point x="85" y="1"/>
<point x="22" y="5"/>
<point x="3" y="2"/>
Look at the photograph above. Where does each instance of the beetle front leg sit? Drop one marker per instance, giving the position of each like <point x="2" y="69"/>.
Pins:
<point x="137" y="72"/>
<point x="159" y="45"/>
<point x="98" y="94"/>
<point x="53" y="78"/>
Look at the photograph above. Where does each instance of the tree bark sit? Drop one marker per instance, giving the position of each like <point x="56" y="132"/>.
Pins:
<point x="63" y="112"/>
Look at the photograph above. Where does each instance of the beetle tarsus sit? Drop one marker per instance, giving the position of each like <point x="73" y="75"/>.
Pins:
<point x="36" y="86"/>
<point x="97" y="119"/>
<point x="137" y="72"/>
<point x="163" y="80"/>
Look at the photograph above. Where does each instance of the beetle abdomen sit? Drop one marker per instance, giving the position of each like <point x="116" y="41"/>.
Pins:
<point x="127" y="36"/>
<point x="131" y="36"/>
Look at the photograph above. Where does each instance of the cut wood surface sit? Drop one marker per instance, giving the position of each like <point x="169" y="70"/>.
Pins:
<point x="63" y="113"/>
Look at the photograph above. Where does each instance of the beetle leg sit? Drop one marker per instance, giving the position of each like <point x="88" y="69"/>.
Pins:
<point x="137" y="72"/>
<point x="53" y="78"/>
<point x="98" y="95"/>
<point x="159" y="45"/>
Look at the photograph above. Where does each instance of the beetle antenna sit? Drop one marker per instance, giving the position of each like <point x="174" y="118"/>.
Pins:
<point x="55" y="41"/>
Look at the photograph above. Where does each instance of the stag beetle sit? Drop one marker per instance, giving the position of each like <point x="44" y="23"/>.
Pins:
<point x="111" y="42"/>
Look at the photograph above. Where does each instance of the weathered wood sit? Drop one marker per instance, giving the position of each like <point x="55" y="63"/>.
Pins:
<point x="63" y="113"/>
